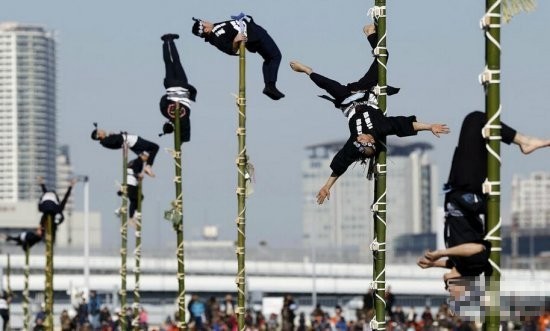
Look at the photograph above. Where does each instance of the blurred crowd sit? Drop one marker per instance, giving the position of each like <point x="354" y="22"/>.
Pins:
<point x="220" y="314"/>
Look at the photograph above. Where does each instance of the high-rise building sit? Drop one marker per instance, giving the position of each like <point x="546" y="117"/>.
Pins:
<point x="531" y="201"/>
<point x="27" y="111"/>
<point x="346" y="221"/>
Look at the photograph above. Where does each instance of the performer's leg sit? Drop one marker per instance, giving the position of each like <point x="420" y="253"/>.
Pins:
<point x="170" y="77"/>
<point x="176" y="64"/>
<point x="270" y="53"/>
<point x="133" y="198"/>
<point x="143" y="145"/>
<point x="268" y="50"/>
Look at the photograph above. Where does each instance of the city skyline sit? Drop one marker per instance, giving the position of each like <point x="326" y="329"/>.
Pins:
<point x="111" y="73"/>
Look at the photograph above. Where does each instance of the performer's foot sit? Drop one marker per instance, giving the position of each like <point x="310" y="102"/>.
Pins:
<point x="169" y="36"/>
<point x="369" y="29"/>
<point x="298" y="67"/>
<point x="149" y="171"/>
<point x="271" y="91"/>
<point x="530" y="144"/>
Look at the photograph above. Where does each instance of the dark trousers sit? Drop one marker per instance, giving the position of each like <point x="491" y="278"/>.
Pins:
<point x="133" y="198"/>
<point x="5" y="318"/>
<point x="175" y="75"/>
<point x="469" y="164"/>
<point x="143" y="145"/>
<point x="339" y="91"/>
<point x="262" y="43"/>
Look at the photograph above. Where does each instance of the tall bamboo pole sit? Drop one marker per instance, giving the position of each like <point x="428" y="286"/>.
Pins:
<point x="491" y="81"/>
<point x="26" y="296"/>
<point x="379" y="207"/>
<point x="8" y="286"/>
<point x="49" y="273"/>
<point x="123" y="233"/>
<point x="137" y="259"/>
<point x="176" y="216"/>
<point x="242" y="161"/>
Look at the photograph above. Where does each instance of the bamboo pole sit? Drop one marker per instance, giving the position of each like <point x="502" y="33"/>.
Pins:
<point x="49" y="273"/>
<point x="123" y="234"/>
<point x="491" y="82"/>
<point x="137" y="259"/>
<point x="26" y="296"/>
<point x="379" y="207"/>
<point x="242" y="161"/>
<point x="8" y="288"/>
<point x="176" y="216"/>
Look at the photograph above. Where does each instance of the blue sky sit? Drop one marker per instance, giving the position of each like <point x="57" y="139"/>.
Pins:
<point x="110" y="70"/>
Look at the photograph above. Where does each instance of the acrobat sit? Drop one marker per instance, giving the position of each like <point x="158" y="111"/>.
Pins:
<point x="227" y="36"/>
<point x="467" y="250"/>
<point x="367" y="125"/>
<point x="178" y="90"/>
<point x="136" y="144"/>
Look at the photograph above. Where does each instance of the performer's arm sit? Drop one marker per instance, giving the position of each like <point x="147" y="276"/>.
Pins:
<point x="41" y="183"/>
<point x="436" y="129"/>
<point x="237" y="41"/>
<point x="324" y="192"/>
<point x="67" y="194"/>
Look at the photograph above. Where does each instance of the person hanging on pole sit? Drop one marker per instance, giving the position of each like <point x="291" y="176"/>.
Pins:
<point x="227" y="36"/>
<point x="49" y="205"/>
<point x="135" y="170"/>
<point x="178" y="90"/>
<point x="367" y="125"/>
<point x="467" y="249"/>
<point x="27" y="239"/>
<point x="136" y="144"/>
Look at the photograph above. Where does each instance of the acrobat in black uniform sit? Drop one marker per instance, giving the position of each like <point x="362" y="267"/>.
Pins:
<point x="465" y="201"/>
<point x="367" y="125"/>
<point x="50" y="205"/>
<point x="178" y="90"/>
<point x="134" y="170"/>
<point x="225" y="37"/>
<point x="135" y="143"/>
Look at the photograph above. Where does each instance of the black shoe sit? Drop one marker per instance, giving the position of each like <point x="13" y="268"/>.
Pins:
<point x="271" y="91"/>
<point x="169" y="36"/>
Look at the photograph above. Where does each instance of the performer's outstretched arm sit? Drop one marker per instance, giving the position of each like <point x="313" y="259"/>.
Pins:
<point x="67" y="194"/>
<point x="436" y="129"/>
<point x="324" y="192"/>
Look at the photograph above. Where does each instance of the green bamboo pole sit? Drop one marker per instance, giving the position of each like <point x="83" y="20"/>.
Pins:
<point x="8" y="286"/>
<point x="242" y="161"/>
<point x="26" y="296"/>
<point x="491" y="81"/>
<point x="49" y="273"/>
<point x="176" y="216"/>
<point x="137" y="258"/>
<point x="379" y="208"/>
<point x="123" y="234"/>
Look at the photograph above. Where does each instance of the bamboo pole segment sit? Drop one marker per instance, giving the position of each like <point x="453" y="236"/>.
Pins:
<point x="123" y="234"/>
<point x="175" y="215"/>
<point x="48" y="291"/>
<point x="8" y="287"/>
<point x="242" y="161"/>
<point x="137" y="258"/>
<point x="490" y="79"/>
<point x="378" y="246"/>
<point x="26" y="296"/>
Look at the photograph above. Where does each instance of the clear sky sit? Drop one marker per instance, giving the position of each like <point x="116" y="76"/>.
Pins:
<point x="110" y="70"/>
